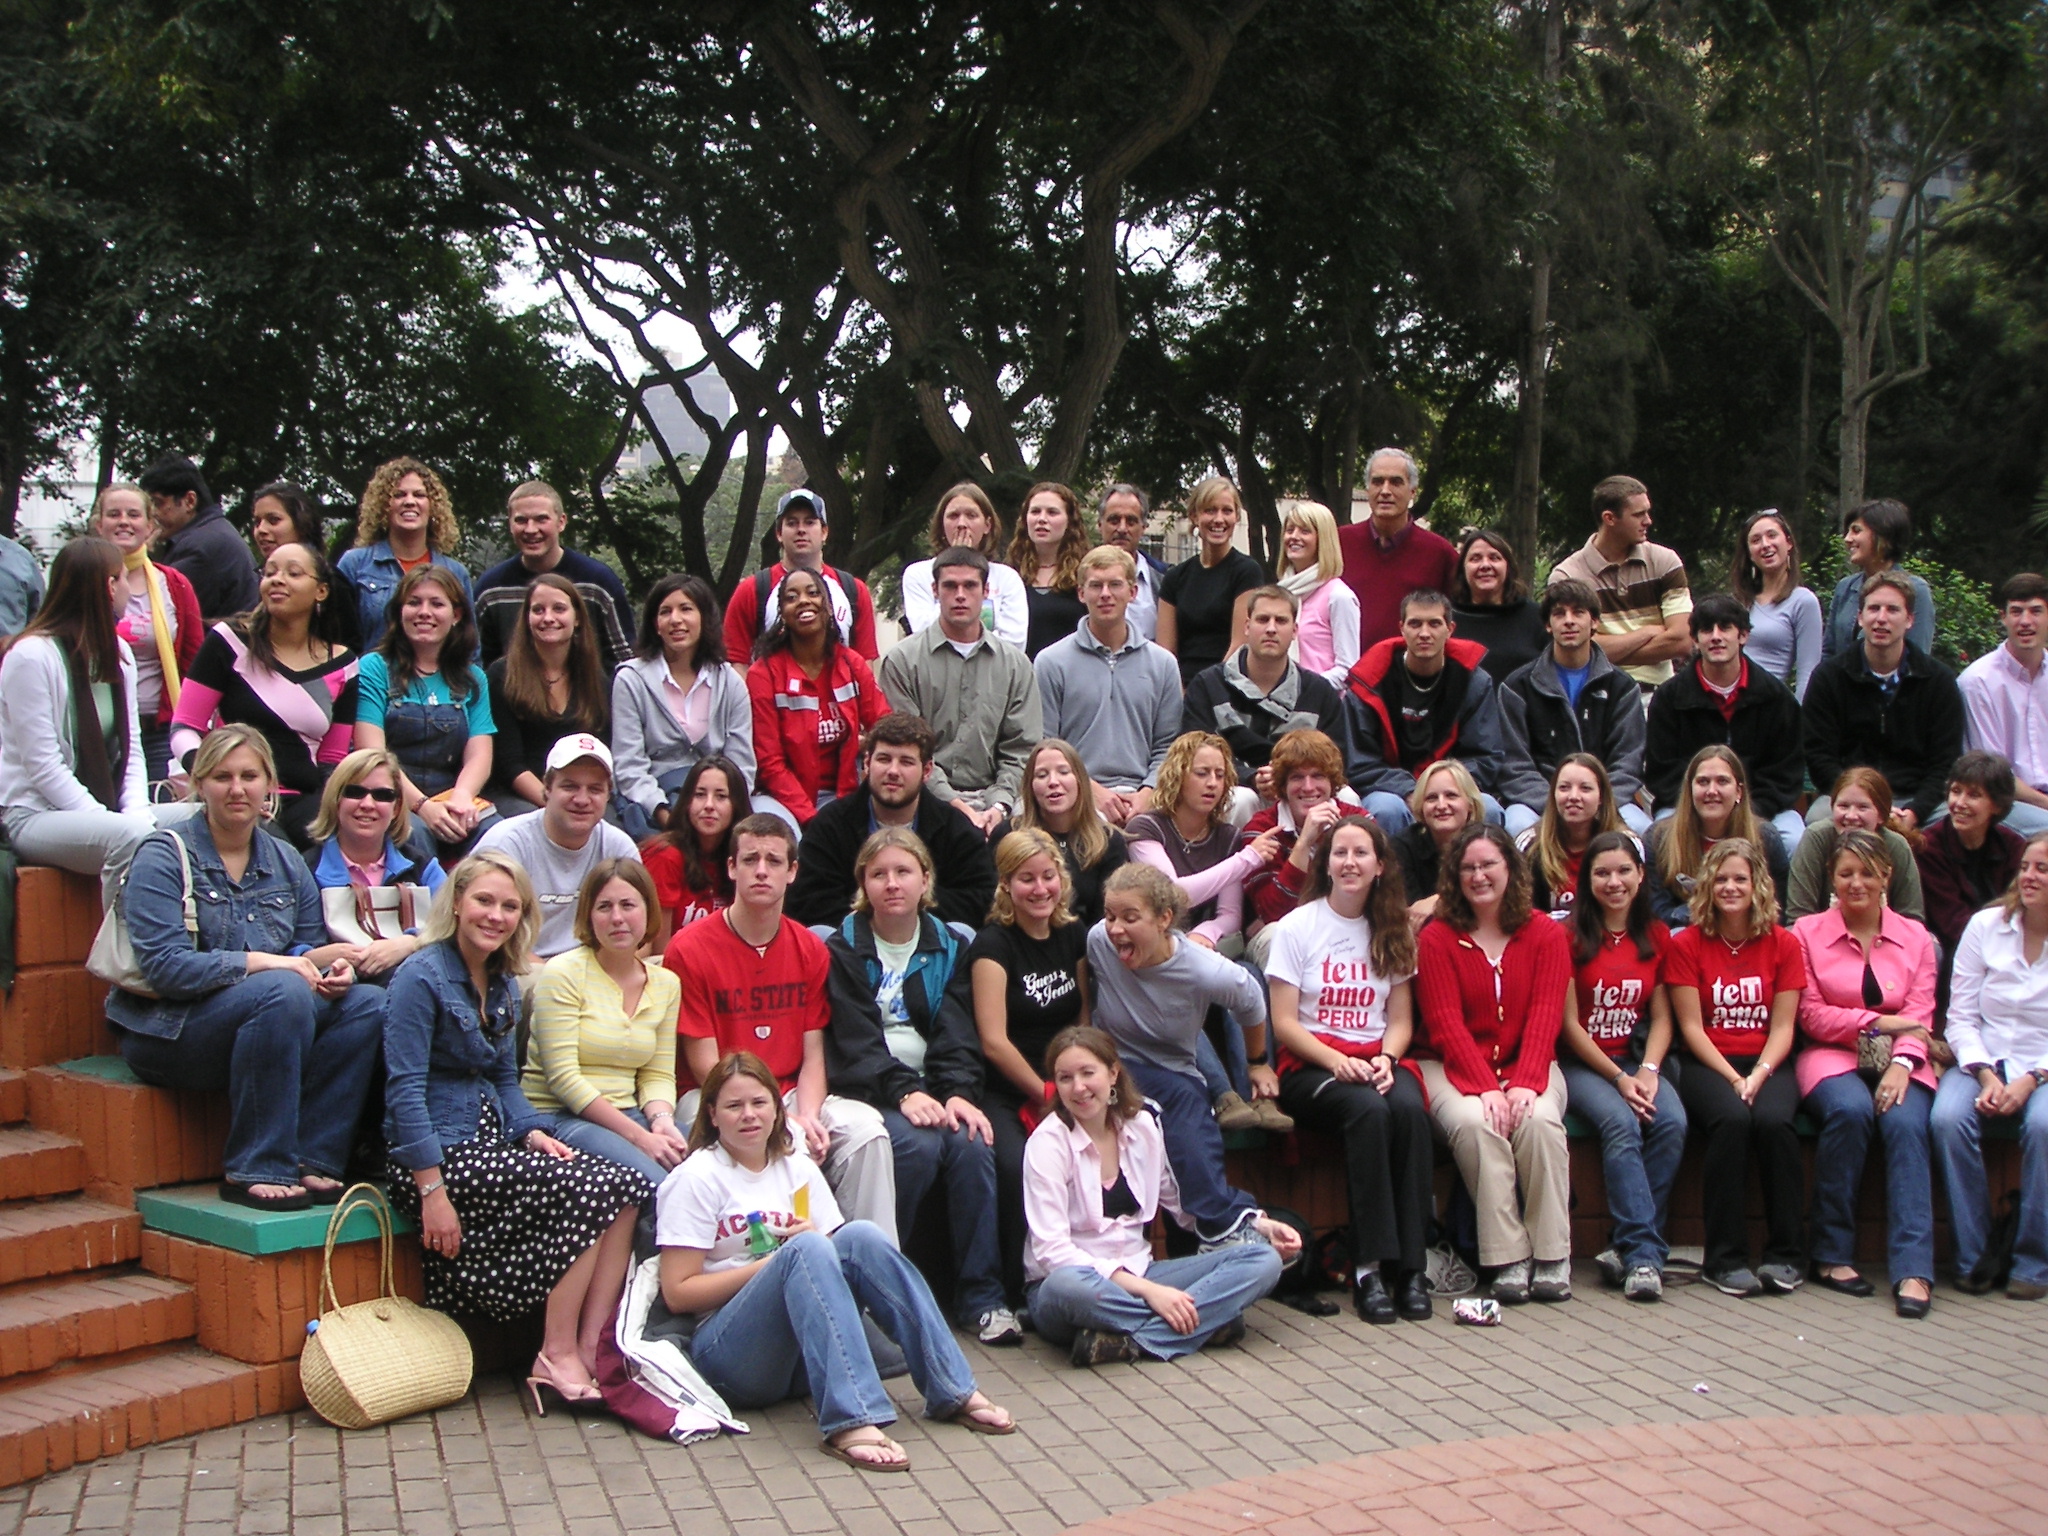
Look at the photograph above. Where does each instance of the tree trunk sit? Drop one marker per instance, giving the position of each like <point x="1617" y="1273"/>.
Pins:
<point x="1853" y="436"/>
<point x="1802" y="454"/>
<point x="1521" y="522"/>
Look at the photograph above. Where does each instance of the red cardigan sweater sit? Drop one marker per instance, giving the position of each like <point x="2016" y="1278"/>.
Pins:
<point x="1484" y="1043"/>
<point x="787" y="709"/>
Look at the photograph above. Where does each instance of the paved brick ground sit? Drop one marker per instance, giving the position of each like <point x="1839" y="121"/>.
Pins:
<point x="1303" y="1392"/>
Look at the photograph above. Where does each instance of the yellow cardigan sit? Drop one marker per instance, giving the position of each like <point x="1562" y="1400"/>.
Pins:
<point x="585" y="1048"/>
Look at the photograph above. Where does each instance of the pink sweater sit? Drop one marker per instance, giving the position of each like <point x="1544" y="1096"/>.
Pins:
<point x="1063" y="1198"/>
<point x="1831" y="1010"/>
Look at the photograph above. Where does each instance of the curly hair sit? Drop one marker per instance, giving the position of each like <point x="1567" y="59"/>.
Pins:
<point x="1305" y="749"/>
<point x="776" y="637"/>
<point x="1074" y="543"/>
<point x="373" y="521"/>
<point x="1386" y="902"/>
<point x="1453" y="910"/>
<point x="1180" y="763"/>
<point x="1763" y="891"/>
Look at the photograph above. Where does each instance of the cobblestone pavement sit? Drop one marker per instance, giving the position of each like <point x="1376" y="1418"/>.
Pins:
<point x="1299" y="1393"/>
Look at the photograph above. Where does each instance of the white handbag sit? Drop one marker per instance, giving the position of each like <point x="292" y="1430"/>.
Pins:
<point x="112" y="956"/>
<point x="363" y="914"/>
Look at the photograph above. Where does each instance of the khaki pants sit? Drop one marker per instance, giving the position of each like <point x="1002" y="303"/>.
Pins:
<point x="1538" y="1225"/>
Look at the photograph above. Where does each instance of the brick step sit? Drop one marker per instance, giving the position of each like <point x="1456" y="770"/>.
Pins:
<point x="39" y="1238"/>
<point x="158" y="1395"/>
<point x="55" y="1013"/>
<point x="44" y="1323"/>
<point x="56" y="914"/>
<point x="135" y="1137"/>
<point x="13" y="1096"/>
<point x="34" y="1163"/>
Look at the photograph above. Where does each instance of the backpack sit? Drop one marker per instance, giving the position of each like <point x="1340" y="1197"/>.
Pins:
<point x="764" y="583"/>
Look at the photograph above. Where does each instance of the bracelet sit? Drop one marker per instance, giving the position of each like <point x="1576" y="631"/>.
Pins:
<point x="428" y="1189"/>
<point x="1618" y="1078"/>
<point x="1652" y="1068"/>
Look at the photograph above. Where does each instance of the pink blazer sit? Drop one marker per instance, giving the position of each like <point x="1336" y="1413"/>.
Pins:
<point x="1831" y="1011"/>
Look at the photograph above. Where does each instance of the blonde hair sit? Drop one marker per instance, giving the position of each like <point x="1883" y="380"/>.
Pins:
<point x="1460" y="776"/>
<point x="515" y="956"/>
<point x="536" y="490"/>
<point x="1152" y="886"/>
<point x="215" y="748"/>
<point x="373" y="519"/>
<point x="1211" y="491"/>
<point x="873" y="848"/>
<point x="633" y="872"/>
<point x="1685" y="844"/>
<point x="1012" y="854"/>
<point x="1322" y="522"/>
<point x="1107" y="557"/>
<point x="1763" y="894"/>
<point x="353" y="769"/>
<point x="1180" y="763"/>
<point x="2009" y="903"/>
<point x="1089" y="840"/>
<point x="99" y="502"/>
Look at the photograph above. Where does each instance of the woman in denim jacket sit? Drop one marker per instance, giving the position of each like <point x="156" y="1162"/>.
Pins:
<point x="510" y="1218"/>
<point x="249" y="995"/>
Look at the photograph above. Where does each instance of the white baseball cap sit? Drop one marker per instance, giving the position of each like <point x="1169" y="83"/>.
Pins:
<point x="575" y="748"/>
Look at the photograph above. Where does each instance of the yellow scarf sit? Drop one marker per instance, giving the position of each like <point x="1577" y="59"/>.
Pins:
<point x="159" y="621"/>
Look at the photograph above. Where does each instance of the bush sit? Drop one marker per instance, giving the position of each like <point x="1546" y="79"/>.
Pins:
<point x="1965" y="617"/>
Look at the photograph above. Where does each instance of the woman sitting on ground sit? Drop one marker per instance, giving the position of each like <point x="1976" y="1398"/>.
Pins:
<point x="1998" y="1028"/>
<point x="1491" y="977"/>
<point x="966" y="519"/>
<point x="1153" y="989"/>
<point x="510" y="1218"/>
<point x="159" y="619"/>
<point x="359" y="851"/>
<point x="1735" y="977"/>
<point x="1861" y="802"/>
<point x="813" y="697"/>
<point x="1616" y="1057"/>
<point x="1713" y="806"/>
<point x="73" y="790"/>
<point x="602" y="1060"/>
<point x="1870" y="973"/>
<point x="424" y="697"/>
<point x="1195" y="846"/>
<point x="1059" y="800"/>
<point x="1579" y="808"/>
<point x="677" y="704"/>
<point x="1445" y="802"/>
<point x="550" y="683"/>
<point x="1095" y="1173"/>
<point x="1027" y="980"/>
<point x="277" y="670"/>
<point x="901" y="1042"/>
<point x="256" y="1001"/>
<point x="688" y="861"/>
<point x="1343" y="1015"/>
<point x="753" y="1247"/>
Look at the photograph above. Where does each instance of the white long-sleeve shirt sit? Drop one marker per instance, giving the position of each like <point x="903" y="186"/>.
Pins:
<point x="1063" y="1198"/>
<point x="38" y="757"/>
<point x="1007" y="613"/>
<point x="1998" y="1004"/>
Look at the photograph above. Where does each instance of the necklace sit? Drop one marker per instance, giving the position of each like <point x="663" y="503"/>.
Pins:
<point x="1421" y="687"/>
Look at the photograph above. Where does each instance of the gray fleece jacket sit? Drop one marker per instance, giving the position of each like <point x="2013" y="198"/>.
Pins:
<point x="648" y="741"/>
<point x="1121" y="709"/>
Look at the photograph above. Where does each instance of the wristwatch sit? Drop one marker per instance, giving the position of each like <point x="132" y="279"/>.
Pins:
<point x="2039" y="1075"/>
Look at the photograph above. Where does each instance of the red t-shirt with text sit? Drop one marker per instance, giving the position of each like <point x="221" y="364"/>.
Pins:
<point x="1736" y="987"/>
<point x="764" y="1003"/>
<point x="1614" y="988"/>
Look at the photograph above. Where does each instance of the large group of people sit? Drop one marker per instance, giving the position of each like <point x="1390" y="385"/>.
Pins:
<point x="715" y="929"/>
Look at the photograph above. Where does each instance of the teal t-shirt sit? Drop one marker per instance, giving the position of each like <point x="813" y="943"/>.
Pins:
<point x="373" y="695"/>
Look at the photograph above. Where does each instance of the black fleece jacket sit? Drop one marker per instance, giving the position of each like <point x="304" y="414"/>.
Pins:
<point x="823" y="892"/>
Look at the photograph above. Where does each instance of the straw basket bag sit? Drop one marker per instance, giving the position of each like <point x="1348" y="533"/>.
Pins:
<point x="379" y="1360"/>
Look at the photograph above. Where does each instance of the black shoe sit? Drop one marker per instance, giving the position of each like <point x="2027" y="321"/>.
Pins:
<point x="1411" y="1297"/>
<point x="1914" y="1307"/>
<point x="1970" y="1285"/>
<point x="1370" y="1300"/>
<point x="1855" y="1285"/>
<point x="1101" y="1347"/>
<point x="1230" y="1333"/>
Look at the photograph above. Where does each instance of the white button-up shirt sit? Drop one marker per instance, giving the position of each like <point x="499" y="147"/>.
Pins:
<point x="1998" y="1004"/>
<point x="2008" y="713"/>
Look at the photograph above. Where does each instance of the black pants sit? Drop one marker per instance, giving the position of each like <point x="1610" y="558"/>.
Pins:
<point x="1388" y="1158"/>
<point x="1001" y="1109"/>
<point x="1729" y="1130"/>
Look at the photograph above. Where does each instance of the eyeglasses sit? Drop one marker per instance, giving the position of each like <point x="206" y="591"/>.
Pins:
<point x="364" y="792"/>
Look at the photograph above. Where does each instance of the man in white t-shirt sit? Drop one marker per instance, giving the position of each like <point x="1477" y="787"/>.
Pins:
<point x="559" y="844"/>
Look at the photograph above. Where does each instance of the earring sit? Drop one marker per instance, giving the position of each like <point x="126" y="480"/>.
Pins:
<point x="1112" y="1095"/>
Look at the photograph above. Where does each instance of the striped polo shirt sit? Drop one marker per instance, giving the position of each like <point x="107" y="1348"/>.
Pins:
<point x="1645" y="588"/>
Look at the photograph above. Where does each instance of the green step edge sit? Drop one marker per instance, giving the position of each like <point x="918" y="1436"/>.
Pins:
<point x="198" y="1212"/>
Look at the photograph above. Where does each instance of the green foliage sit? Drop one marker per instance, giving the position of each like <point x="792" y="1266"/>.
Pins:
<point x="1965" y="615"/>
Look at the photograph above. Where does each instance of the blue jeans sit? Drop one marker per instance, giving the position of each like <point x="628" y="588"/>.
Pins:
<point x="1194" y="1146"/>
<point x="1846" y="1112"/>
<point x="1640" y="1161"/>
<point x="796" y="1325"/>
<point x="1392" y="813"/>
<point x="923" y="1155"/>
<point x="1958" y="1137"/>
<point x="297" y="1068"/>
<point x="588" y="1136"/>
<point x="1223" y="1283"/>
<point x="1224" y="1074"/>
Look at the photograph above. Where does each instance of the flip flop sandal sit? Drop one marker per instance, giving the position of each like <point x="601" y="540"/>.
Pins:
<point x="244" y="1194"/>
<point x="964" y="1417"/>
<point x="845" y="1453"/>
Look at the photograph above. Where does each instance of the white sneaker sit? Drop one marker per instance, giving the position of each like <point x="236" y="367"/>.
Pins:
<point x="1449" y="1275"/>
<point x="999" y="1326"/>
<point x="1551" y="1280"/>
<point x="1511" y="1283"/>
<point x="1644" y="1284"/>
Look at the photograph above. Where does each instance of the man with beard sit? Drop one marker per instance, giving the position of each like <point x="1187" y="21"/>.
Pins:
<point x="897" y="755"/>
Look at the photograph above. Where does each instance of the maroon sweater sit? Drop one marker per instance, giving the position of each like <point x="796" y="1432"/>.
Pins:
<point x="1487" y="1043"/>
<point x="1382" y="577"/>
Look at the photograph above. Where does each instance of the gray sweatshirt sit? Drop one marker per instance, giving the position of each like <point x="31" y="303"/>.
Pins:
<point x="648" y="741"/>
<point x="1158" y="1011"/>
<point x="1120" y="710"/>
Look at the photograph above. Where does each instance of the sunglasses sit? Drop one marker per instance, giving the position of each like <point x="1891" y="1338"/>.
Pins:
<point x="364" y="792"/>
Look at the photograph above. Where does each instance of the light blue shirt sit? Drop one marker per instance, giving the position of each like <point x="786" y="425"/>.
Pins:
<point x="21" y="586"/>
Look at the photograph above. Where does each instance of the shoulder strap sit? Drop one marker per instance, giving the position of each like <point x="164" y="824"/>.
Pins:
<point x="762" y="587"/>
<point x="850" y="584"/>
